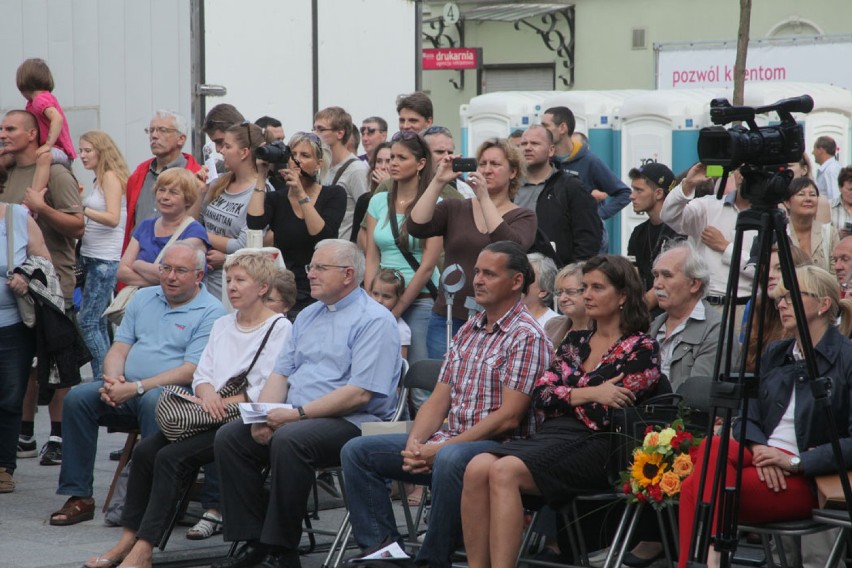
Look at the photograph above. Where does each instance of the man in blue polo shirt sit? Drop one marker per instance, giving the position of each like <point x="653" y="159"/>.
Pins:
<point x="159" y="342"/>
<point x="339" y="369"/>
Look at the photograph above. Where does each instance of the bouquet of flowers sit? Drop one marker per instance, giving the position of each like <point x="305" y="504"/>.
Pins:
<point x="660" y="464"/>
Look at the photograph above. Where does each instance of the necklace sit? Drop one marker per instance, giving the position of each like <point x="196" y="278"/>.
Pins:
<point x="250" y="328"/>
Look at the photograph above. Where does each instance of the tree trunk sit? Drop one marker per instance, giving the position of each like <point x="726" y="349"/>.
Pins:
<point x="742" y="52"/>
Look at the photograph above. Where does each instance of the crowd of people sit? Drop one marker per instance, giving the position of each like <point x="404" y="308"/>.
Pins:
<point x="548" y="332"/>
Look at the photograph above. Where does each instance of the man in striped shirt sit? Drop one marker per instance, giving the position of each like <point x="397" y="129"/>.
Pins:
<point x="484" y="394"/>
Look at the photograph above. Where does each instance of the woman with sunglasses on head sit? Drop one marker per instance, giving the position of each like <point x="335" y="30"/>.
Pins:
<point x="175" y="193"/>
<point x="786" y="435"/>
<point x="390" y="246"/>
<point x="305" y="214"/>
<point x="225" y="204"/>
<point x="816" y="239"/>
<point x="613" y="365"/>
<point x="468" y="225"/>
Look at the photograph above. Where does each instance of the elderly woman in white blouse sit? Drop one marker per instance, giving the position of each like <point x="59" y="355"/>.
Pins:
<point x="161" y="468"/>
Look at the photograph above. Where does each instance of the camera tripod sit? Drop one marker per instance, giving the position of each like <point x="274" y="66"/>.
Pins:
<point x="731" y="391"/>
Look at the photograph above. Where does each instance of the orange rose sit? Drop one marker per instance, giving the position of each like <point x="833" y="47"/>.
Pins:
<point x="651" y="439"/>
<point x="670" y="484"/>
<point x="682" y="465"/>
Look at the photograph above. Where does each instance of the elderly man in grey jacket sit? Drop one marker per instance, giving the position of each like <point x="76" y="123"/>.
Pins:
<point x="688" y="331"/>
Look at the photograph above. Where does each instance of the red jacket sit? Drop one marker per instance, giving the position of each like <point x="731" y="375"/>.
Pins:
<point x="134" y="187"/>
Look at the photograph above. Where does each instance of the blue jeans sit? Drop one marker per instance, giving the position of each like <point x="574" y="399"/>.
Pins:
<point x="436" y="335"/>
<point x="97" y="292"/>
<point x="417" y="317"/>
<point x="17" y="346"/>
<point x="368" y="461"/>
<point x="83" y="413"/>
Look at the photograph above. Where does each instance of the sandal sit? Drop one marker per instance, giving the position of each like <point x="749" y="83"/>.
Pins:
<point x="415" y="495"/>
<point x="75" y="510"/>
<point x="209" y="525"/>
<point x="102" y="562"/>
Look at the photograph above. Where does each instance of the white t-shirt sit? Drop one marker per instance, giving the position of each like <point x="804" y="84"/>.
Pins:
<point x="404" y="332"/>
<point x="230" y="351"/>
<point x="546" y="317"/>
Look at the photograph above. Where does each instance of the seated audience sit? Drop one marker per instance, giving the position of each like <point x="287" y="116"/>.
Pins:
<point x="611" y="366"/>
<point x="786" y="437"/>
<point x="162" y="469"/>
<point x="569" y="296"/>
<point x="539" y="298"/>
<point x="339" y="369"/>
<point x="159" y="342"/>
<point x="483" y="392"/>
<point x="816" y="239"/>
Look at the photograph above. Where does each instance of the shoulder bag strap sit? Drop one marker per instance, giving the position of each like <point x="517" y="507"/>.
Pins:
<point x="10" y="239"/>
<point x="175" y="236"/>
<point x="342" y="169"/>
<point x="412" y="261"/>
<point x="262" y="344"/>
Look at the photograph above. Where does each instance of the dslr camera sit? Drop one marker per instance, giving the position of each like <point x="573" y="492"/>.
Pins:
<point x="276" y="153"/>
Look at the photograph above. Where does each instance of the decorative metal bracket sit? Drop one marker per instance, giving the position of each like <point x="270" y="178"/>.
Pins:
<point x="439" y="38"/>
<point x="555" y="40"/>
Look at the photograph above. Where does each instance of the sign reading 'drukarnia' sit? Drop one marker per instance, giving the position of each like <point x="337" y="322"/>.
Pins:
<point x="452" y="58"/>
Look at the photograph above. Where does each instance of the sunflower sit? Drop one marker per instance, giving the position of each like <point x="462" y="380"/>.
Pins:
<point x="648" y="469"/>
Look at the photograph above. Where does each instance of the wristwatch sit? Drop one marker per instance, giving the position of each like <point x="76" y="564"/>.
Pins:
<point x="304" y="200"/>
<point x="795" y="464"/>
<point x="140" y="388"/>
<point x="302" y="414"/>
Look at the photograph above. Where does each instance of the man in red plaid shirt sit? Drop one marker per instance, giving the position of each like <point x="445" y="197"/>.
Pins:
<point x="483" y="392"/>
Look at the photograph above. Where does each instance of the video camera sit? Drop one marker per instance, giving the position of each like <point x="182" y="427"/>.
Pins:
<point x="762" y="152"/>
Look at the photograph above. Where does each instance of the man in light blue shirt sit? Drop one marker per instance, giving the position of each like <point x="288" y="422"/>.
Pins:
<point x="339" y="369"/>
<point x="159" y="342"/>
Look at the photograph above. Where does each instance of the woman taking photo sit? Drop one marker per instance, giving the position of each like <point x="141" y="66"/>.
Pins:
<point x="105" y="212"/>
<point x="785" y="449"/>
<point x="569" y="298"/>
<point x="305" y="214"/>
<point x="223" y="213"/>
<point x="175" y="193"/>
<point x="612" y="365"/>
<point x="816" y="239"/>
<point x="17" y="341"/>
<point x="390" y="246"/>
<point x="161" y="469"/>
<point x="468" y="225"/>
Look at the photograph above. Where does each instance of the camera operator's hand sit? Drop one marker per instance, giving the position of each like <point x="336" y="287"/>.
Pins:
<point x="697" y="174"/>
<point x="444" y="173"/>
<point x="293" y="177"/>
<point x="262" y="168"/>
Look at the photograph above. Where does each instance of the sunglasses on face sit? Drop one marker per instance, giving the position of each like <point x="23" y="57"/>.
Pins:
<point x="370" y="130"/>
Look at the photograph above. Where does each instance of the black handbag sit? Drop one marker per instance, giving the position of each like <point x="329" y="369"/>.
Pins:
<point x="628" y="426"/>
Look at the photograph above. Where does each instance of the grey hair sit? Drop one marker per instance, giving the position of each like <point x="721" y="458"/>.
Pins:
<point x="694" y="265"/>
<point x="545" y="270"/>
<point x="573" y="269"/>
<point x="181" y="124"/>
<point x="200" y="255"/>
<point x="346" y="253"/>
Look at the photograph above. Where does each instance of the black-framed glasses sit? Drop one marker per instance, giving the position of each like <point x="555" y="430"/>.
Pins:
<point x="370" y="130"/>
<point x="438" y="130"/>
<point x="160" y="130"/>
<point x="569" y="291"/>
<point x="179" y="270"/>
<point x="788" y="297"/>
<point x="323" y="267"/>
<point x="404" y="135"/>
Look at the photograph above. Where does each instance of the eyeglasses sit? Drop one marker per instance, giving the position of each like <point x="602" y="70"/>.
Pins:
<point x="160" y="130"/>
<point x="404" y="135"/>
<point x="569" y="291"/>
<point x="788" y="298"/>
<point x="438" y="130"/>
<point x="370" y="130"/>
<point x="179" y="270"/>
<point x="323" y="267"/>
<point x="309" y="135"/>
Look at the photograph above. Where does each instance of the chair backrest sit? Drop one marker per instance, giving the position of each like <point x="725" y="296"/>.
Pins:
<point x="402" y="392"/>
<point x="423" y="374"/>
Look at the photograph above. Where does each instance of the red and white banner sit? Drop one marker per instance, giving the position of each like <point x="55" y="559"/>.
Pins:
<point x="704" y="68"/>
<point x="452" y="58"/>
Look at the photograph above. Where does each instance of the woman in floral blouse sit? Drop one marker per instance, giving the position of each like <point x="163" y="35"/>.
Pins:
<point x="612" y="365"/>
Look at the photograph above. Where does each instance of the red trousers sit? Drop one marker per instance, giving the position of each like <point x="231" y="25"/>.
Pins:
<point x="758" y="503"/>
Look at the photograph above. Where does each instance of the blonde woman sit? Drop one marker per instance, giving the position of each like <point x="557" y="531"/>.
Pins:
<point x="105" y="212"/>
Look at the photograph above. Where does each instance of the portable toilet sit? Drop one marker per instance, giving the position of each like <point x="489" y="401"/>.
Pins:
<point x="497" y="115"/>
<point x="831" y="115"/>
<point x="661" y="126"/>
